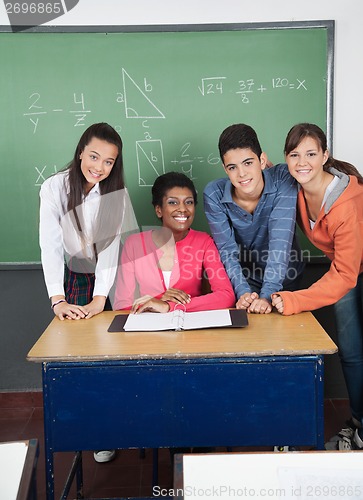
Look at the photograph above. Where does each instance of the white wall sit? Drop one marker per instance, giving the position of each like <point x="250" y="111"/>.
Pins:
<point x="348" y="101"/>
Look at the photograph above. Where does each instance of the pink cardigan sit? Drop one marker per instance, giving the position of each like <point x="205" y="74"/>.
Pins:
<point x="194" y="254"/>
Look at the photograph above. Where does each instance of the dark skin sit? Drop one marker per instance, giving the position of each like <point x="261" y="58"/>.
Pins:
<point x="177" y="214"/>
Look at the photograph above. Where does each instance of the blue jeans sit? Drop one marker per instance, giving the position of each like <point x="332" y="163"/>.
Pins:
<point x="349" y="321"/>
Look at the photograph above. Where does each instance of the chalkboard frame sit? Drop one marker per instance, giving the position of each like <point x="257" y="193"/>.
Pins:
<point x="328" y="25"/>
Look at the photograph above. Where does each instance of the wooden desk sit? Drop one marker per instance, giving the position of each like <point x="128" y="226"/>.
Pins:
<point x="257" y="386"/>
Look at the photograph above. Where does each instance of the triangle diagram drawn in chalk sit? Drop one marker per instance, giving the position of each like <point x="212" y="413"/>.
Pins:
<point x="137" y="104"/>
<point x="150" y="161"/>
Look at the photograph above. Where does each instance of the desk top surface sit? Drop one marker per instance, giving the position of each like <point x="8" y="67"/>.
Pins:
<point x="266" y="335"/>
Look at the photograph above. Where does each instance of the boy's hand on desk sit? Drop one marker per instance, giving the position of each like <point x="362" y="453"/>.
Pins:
<point x="277" y="302"/>
<point x="246" y="300"/>
<point x="254" y="304"/>
<point x="260" y="306"/>
<point x="96" y="306"/>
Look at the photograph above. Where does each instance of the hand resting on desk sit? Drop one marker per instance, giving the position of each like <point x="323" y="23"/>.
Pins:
<point x="253" y="303"/>
<point x="64" y="310"/>
<point x="278" y="302"/>
<point x="149" y="303"/>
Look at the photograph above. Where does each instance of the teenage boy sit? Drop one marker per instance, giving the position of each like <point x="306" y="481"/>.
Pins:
<point x="251" y="215"/>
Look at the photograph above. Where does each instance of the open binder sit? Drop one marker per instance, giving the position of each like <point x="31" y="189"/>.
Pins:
<point x="179" y="320"/>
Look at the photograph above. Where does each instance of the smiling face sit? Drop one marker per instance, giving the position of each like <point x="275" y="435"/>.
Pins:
<point x="244" y="169"/>
<point x="177" y="211"/>
<point x="305" y="162"/>
<point x="97" y="160"/>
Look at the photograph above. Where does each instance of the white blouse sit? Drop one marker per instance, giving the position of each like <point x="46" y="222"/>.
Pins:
<point x="63" y="240"/>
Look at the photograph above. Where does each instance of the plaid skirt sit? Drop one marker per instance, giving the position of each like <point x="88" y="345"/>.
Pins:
<point x="78" y="287"/>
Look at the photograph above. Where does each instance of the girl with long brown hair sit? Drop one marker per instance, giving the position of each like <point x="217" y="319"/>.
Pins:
<point x="330" y="213"/>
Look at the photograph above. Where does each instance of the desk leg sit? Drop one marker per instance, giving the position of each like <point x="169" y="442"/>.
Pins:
<point x="49" y="456"/>
<point x="79" y="478"/>
<point x="320" y="445"/>
<point x="155" y="466"/>
<point x="76" y="470"/>
<point x="49" y="472"/>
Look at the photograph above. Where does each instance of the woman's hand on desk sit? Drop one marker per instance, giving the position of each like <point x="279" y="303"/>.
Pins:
<point x="150" y="304"/>
<point x="177" y="296"/>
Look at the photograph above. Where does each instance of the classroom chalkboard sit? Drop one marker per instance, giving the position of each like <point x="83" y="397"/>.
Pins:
<point x="168" y="90"/>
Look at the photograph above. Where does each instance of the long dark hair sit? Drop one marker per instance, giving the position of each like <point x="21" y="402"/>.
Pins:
<point x="113" y="202"/>
<point x="77" y="181"/>
<point x="302" y="130"/>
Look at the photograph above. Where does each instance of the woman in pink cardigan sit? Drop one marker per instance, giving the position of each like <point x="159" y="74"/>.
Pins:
<point x="163" y="268"/>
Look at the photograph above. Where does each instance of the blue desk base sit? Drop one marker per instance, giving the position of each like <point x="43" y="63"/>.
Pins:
<point x="229" y="402"/>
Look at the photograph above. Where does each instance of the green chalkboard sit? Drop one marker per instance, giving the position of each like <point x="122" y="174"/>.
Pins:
<point x="169" y="91"/>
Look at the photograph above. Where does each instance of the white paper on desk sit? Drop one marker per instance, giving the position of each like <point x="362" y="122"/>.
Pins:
<point x="12" y="460"/>
<point x="206" y="319"/>
<point x="177" y="320"/>
<point x="149" y="322"/>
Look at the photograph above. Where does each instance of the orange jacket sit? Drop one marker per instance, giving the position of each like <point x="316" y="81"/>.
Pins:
<point x="338" y="232"/>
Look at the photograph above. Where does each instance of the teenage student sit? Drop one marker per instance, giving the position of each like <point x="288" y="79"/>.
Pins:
<point x="83" y="210"/>
<point x="164" y="267"/>
<point x="251" y="214"/>
<point x="330" y="213"/>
